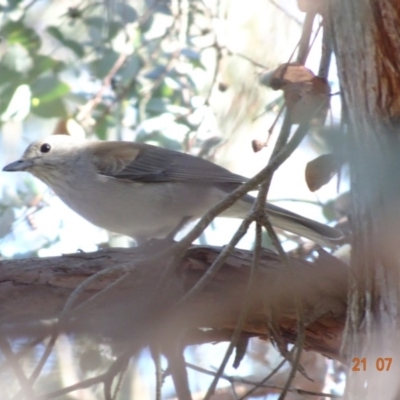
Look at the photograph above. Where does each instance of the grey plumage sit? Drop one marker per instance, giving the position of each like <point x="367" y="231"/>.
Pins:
<point x="145" y="191"/>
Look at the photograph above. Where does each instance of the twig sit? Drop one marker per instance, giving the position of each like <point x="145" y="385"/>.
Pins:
<point x="291" y="16"/>
<point x="26" y="386"/>
<point x="117" y="368"/>
<point x="219" y="261"/>
<point x="305" y="37"/>
<point x="87" y="109"/>
<point x="102" y="292"/>
<point x="73" y="297"/>
<point x="250" y="60"/>
<point x="156" y="355"/>
<point x="69" y="389"/>
<point x="326" y="50"/>
<point x="299" y="347"/>
<point x="45" y="356"/>
<point x="242" y="315"/>
<point x="177" y="368"/>
<point x="266" y="379"/>
<point x="235" y="379"/>
<point x="22" y="352"/>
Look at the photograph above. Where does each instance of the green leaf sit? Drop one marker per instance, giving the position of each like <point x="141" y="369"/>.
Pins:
<point x="17" y="58"/>
<point x="103" y="123"/>
<point x="126" y="12"/>
<point x="48" y="88"/>
<point x="8" y="75"/>
<point x="114" y="28"/>
<point x="56" y="33"/>
<point x="166" y="90"/>
<point x="17" y="32"/>
<point x="70" y="44"/>
<point x="102" y="66"/>
<point x="51" y="109"/>
<point x="197" y="64"/>
<point x="102" y="30"/>
<point x="100" y="129"/>
<point x="160" y="105"/>
<point x="157" y="105"/>
<point x="10" y="5"/>
<point x="130" y="69"/>
<point x="97" y="22"/>
<point x="44" y="63"/>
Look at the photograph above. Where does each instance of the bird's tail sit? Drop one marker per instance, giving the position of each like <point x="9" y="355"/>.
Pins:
<point x="280" y="218"/>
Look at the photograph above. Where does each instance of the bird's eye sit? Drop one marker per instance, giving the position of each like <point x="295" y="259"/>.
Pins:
<point x="45" y="148"/>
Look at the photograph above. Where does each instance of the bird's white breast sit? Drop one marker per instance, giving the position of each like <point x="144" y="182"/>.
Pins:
<point x="139" y="210"/>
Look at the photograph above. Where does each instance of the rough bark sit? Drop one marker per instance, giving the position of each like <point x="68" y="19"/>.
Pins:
<point x="33" y="293"/>
<point x="366" y="37"/>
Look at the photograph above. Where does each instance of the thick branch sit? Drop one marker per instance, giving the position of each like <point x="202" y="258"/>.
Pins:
<point x="34" y="291"/>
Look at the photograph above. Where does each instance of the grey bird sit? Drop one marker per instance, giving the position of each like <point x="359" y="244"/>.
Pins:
<point x="145" y="191"/>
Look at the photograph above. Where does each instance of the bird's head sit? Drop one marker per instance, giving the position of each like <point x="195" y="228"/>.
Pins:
<point x="47" y="157"/>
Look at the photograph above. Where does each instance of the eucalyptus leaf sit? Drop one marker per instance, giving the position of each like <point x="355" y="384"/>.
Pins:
<point x="70" y="44"/>
<point x="17" y="58"/>
<point x="51" y="109"/>
<point x="126" y="12"/>
<point x="130" y="69"/>
<point x="17" y="32"/>
<point x="8" y="75"/>
<point x="10" y="5"/>
<point x="102" y="66"/>
<point x="43" y="63"/>
<point x="49" y="88"/>
<point x="97" y="22"/>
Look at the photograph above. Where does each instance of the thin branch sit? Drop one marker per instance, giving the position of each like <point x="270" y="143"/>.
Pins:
<point x="299" y="347"/>
<point x="266" y="379"/>
<point x="242" y="316"/>
<point x="77" y="292"/>
<point x="156" y="355"/>
<point x="287" y="13"/>
<point x="45" y="356"/>
<point x="326" y="50"/>
<point x="69" y="389"/>
<point x="26" y="386"/>
<point x="304" y="43"/>
<point x="235" y="379"/>
<point x="219" y="262"/>
<point x="22" y="352"/>
<point x="87" y="109"/>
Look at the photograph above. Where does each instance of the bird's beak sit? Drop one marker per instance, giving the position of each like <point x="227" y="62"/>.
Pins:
<point x="20" y="165"/>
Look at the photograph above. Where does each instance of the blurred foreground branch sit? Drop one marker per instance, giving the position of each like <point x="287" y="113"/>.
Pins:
<point x="33" y="293"/>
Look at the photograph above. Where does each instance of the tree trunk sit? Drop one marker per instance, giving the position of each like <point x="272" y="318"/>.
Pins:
<point x="366" y="37"/>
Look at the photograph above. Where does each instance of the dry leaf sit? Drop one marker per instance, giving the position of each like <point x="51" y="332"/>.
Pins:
<point x="257" y="145"/>
<point x="307" y="100"/>
<point x="306" y="96"/>
<point x="61" y="127"/>
<point x="290" y="73"/>
<point x="315" y="6"/>
<point x="321" y="170"/>
<point x="68" y="126"/>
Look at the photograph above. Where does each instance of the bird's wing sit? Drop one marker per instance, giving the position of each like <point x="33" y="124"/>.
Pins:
<point x="145" y="163"/>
